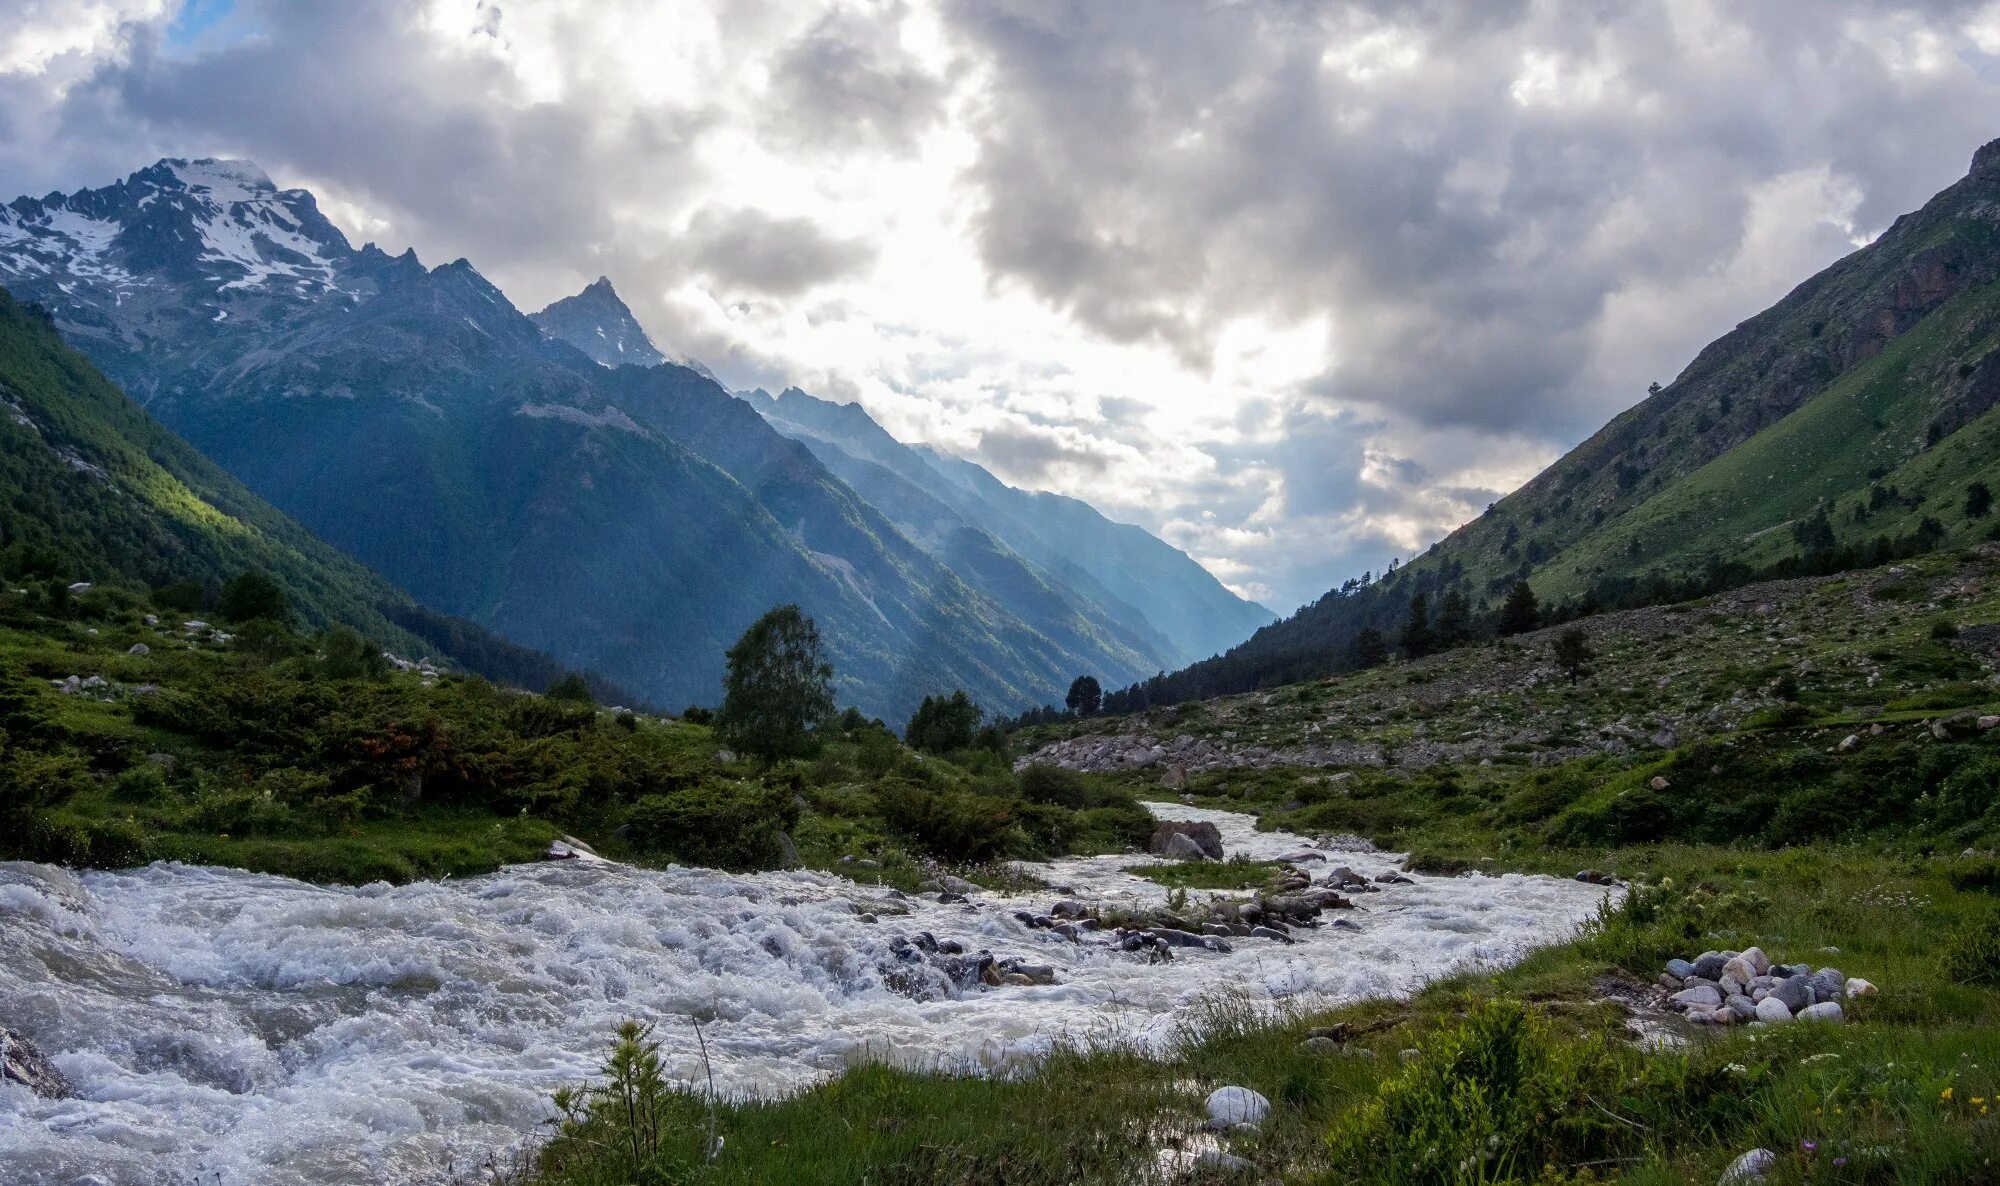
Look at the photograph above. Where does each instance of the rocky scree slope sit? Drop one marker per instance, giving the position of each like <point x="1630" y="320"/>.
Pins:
<point x="1862" y="647"/>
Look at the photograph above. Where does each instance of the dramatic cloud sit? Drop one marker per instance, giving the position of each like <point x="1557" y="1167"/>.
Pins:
<point x="1298" y="286"/>
<point x="772" y="256"/>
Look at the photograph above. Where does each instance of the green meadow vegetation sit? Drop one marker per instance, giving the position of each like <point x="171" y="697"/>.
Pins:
<point x="1833" y="820"/>
<point x="257" y="745"/>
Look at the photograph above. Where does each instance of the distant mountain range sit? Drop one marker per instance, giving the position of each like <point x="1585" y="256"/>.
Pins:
<point x="555" y="480"/>
<point x="1853" y="416"/>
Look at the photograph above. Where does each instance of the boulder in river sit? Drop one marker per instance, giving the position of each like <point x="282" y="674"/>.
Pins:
<point x="1204" y="835"/>
<point x="1181" y="847"/>
<point x="21" y="1062"/>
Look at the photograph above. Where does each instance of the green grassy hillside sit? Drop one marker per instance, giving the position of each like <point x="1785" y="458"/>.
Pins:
<point x="97" y="491"/>
<point x="1866" y="393"/>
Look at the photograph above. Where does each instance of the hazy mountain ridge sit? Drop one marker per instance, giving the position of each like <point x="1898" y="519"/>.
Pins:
<point x="624" y="518"/>
<point x="1118" y="573"/>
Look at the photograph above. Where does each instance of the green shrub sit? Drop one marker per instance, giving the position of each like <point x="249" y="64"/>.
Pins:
<point x="1653" y="924"/>
<point x="1971" y="953"/>
<point x="1495" y="1099"/>
<point x="950" y="825"/>
<point x="727" y="826"/>
<point x="1042" y="783"/>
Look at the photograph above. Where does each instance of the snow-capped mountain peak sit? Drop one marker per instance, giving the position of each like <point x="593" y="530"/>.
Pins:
<point x="217" y="226"/>
<point x="599" y="323"/>
<point x="223" y="181"/>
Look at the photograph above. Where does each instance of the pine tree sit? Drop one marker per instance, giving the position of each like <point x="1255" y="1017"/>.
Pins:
<point x="1573" y="654"/>
<point x="253" y="596"/>
<point x="1520" y="613"/>
<point x="944" y="723"/>
<point x="1085" y="696"/>
<point x="1369" y="649"/>
<point x="1417" y="637"/>
<point x="1454" y="621"/>
<point x="1978" y="500"/>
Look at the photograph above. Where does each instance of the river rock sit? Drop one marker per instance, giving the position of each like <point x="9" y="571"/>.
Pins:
<point x="1710" y="964"/>
<point x="1699" y="997"/>
<point x="1857" y="987"/>
<point x="1680" y="969"/>
<point x="1824" y="1011"/>
<point x="1760" y="964"/>
<point x="1215" y="1161"/>
<point x="21" y="1062"/>
<point x="1205" y="836"/>
<point x="1182" y="848"/>
<point x="139" y="648"/>
<point x="1794" y="994"/>
<point x="1773" y="1011"/>
<point x="1236" y="1105"/>
<point x="1749" y="1168"/>
<point x="1742" y="1007"/>
<point x="1271" y="933"/>
<point x="1828" y="984"/>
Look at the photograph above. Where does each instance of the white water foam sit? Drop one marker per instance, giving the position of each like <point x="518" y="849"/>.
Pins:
<point x="231" y="1028"/>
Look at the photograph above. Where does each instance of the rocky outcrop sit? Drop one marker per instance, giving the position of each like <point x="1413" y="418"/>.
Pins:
<point x="21" y="1062"/>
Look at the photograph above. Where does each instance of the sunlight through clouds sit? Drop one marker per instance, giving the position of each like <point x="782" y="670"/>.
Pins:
<point x="1297" y="287"/>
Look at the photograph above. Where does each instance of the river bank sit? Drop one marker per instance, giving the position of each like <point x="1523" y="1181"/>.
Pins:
<point x="231" y="1027"/>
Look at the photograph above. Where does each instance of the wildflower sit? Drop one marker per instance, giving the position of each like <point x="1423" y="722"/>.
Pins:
<point x="1978" y="1099"/>
<point x="1809" y="1146"/>
<point x="1945" y="1094"/>
<point x="1839" y="1161"/>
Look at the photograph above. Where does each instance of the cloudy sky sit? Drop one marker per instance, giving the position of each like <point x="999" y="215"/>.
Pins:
<point x="1298" y="286"/>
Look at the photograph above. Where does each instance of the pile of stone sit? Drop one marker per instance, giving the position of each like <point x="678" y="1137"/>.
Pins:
<point x="1746" y="988"/>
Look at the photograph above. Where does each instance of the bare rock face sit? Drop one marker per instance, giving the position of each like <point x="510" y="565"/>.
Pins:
<point x="21" y="1062"/>
<point x="1204" y="835"/>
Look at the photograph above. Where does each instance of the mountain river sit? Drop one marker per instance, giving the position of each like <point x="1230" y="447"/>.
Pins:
<point x="230" y="1028"/>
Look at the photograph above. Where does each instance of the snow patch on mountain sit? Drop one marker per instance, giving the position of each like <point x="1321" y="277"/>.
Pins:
<point x="613" y="418"/>
<point x="223" y="181"/>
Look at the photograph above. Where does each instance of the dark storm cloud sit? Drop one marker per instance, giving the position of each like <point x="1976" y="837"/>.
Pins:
<point x="749" y="249"/>
<point x="352" y="95"/>
<point x="1030" y="455"/>
<point x="1508" y="216"/>
<point x="1465" y="213"/>
<point x="846" y="83"/>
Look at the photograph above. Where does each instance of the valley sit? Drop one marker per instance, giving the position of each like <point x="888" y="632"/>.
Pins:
<point x="452" y="744"/>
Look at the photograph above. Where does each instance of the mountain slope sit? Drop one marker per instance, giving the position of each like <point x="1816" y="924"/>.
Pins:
<point x="98" y="490"/>
<point x="631" y="519"/>
<point x="1157" y="596"/>
<point x="1866" y="395"/>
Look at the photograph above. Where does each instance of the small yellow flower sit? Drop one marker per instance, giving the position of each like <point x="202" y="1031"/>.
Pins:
<point x="1945" y="1094"/>
<point x="1978" y="1099"/>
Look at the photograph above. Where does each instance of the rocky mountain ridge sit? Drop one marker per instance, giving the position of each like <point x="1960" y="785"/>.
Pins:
<point x="620" y="518"/>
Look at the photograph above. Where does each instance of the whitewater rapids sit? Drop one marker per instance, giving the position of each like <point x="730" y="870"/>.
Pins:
<point x="231" y="1028"/>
